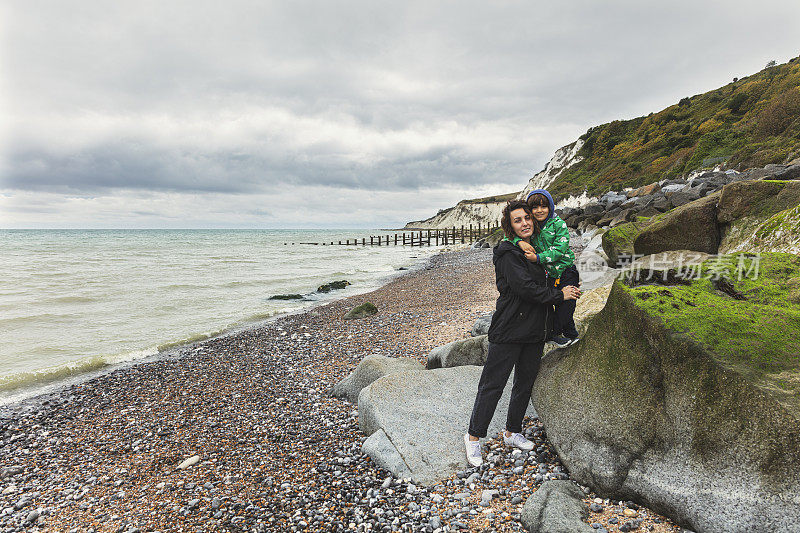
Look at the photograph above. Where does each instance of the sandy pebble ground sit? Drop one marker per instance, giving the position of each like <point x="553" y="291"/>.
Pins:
<point x="266" y="448"/>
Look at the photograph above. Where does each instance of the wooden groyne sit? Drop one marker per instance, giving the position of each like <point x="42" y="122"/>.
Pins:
<point x="429" y="237"/>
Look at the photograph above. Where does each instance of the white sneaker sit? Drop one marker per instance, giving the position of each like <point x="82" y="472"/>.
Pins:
<point x="519" y="441"/>
<point x="473" y="447"/>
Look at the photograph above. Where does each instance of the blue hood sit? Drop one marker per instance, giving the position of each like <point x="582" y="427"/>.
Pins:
<point x="549" y="199"/>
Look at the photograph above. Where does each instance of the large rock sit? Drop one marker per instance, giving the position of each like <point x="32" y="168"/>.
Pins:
<point x="689" y="227"/>
<point x="368" y="370"/>
<point x="618" y="241"/>
<point x="685" y="398"/>
<point x="756" y="198"/>
<point x="417" y="421"/>
<point x="777" y="233"/>
<point x="361" y="311"/>
<point x="472" y="351"/>
<point x="481" y="326"/>
<point x="645" y="190"/>
<point x="556" y="507"/>
<point x="791" y="172"/>
<point x="760" y="216"/>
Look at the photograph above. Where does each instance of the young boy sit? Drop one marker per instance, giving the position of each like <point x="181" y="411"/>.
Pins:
<point x="551" y="248"/>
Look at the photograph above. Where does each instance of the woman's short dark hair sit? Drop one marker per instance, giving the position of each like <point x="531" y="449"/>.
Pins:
<point x="505" y="221"/>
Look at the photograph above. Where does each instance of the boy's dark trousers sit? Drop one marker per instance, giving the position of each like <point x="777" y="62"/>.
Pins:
<point x="525" y="360"/>
<point x="563" y="322"/>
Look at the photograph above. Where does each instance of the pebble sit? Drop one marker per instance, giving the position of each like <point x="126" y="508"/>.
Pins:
<point x="191" y="461"/>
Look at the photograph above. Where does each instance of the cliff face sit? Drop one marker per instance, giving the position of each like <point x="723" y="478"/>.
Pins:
<point x="565" y="157"/>
<point x="488" y="210"/>
<point x="463" y="214"/>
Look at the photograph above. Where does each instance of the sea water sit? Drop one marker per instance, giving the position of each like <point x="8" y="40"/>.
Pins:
<point x="73" y="302"/>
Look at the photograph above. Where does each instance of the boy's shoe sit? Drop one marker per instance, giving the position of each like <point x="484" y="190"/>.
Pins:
<point x="518" y="441"/>
<point x="473" y="447"/>
<point x="561" y="342"/>
<point x="573" y="340"/>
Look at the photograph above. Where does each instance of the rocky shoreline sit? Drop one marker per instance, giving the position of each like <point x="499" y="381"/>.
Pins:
<point x="238" y="433"/>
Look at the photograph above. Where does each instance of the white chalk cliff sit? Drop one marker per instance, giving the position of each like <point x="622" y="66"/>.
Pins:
<point x="463" y="213"/>
<point x="474" y="212"/>
<point x="565" y="157"/>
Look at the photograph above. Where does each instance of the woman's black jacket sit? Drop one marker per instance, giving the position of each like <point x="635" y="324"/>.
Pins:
<point x="525" y="301"/>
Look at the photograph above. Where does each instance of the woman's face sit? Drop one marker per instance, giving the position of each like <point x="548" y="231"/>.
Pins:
<point x="521" y="223"/>
<point x="540" y="212"/>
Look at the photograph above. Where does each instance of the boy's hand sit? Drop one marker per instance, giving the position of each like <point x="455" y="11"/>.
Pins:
<point x="532" y="256"/>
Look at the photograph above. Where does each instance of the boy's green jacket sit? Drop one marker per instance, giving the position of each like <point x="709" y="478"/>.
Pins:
<point x="552" y="246"/>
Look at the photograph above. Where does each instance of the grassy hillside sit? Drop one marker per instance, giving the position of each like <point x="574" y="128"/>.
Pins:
<point x="749" y="122"/>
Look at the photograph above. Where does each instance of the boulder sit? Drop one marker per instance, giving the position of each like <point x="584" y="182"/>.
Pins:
<point x="593" y="209"/>
<point x="668" y="190"/>
<point x="777" y="233"/>
<point x="361" y="311"/>
<point x="286" y="297"/>
<point x="567" y="212"/>
<point x="760" y="216"/>
<point x="791" y="172"/>
<point x="756" y="198"/>
<point x="684" y="197"/>
<point x="643" y="201"/>
<point x="625" y="215"/>
<point x="333" y="286"/>
<point x="368" y="370"/>
<point x="645" y="190"/>
<point x="481" y="326"/>
<point x="618" y="241"/>
<point x="605" y="220"/>
<point x="556" y="507"/>
<point x="690" y="227"/>
<point x="648" y="212"/>
<point x="472" y="351"/>
<point x="423" y="416"/>
<point x="662" y="204"/>
<point x="679" y="397"/>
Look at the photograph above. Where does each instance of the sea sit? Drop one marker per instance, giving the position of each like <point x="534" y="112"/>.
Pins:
<point x="75" y="303"/>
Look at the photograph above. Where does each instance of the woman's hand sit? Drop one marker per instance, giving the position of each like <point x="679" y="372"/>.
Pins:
<point x="571" y="292"/>
<point x="525" y="246"/>
<point x="530" y="253"/>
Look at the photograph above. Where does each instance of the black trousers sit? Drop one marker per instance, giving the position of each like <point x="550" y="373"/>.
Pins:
<point x="563" y="321"/>
<point x="502" y="358"/>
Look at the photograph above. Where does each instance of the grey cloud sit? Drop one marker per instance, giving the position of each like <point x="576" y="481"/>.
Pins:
<point x="505" y="84"/>
<point x="119" y="166"/>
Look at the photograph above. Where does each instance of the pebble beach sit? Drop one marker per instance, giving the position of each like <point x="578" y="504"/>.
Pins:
<point x="238" y="433"/>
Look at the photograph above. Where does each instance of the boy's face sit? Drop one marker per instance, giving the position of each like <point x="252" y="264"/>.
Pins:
<point x="540" y="212"/>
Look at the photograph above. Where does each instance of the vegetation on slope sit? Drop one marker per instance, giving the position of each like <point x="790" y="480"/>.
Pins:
<point x="750" y="122"/>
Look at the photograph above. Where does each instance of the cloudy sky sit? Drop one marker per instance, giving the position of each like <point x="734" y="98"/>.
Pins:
<point x="333" y="114"/>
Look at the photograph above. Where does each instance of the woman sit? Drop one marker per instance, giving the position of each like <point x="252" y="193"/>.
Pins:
<point x="516" y="335"/>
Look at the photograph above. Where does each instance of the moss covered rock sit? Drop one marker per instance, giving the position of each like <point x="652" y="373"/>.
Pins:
<point x="618" y="240"/>
<point x="686" y="397"/>
<point x="361" y="311"/>
<point x="692" y="226"/>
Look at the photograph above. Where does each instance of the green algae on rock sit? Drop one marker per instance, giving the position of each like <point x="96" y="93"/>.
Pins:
<point x="361" y="311"/>
<point x="618" y="241"/>
<point x="686" y="399"/>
